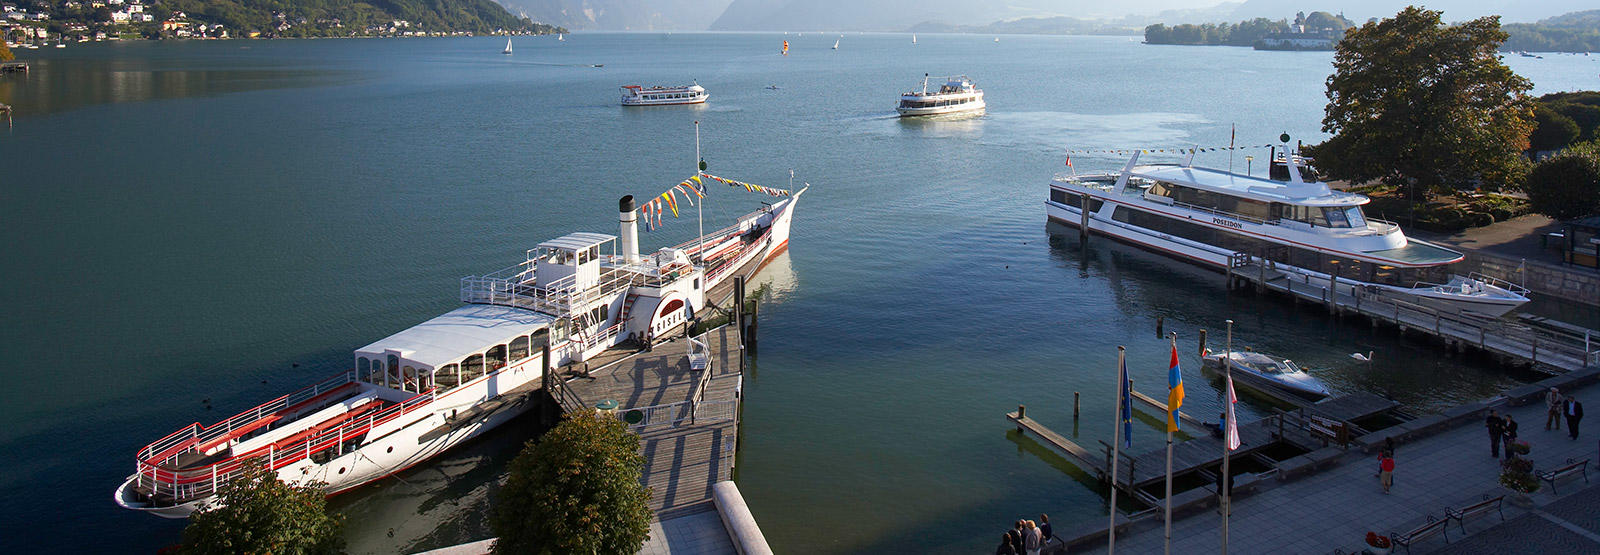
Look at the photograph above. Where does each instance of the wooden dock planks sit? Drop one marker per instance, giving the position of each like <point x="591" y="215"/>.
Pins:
<point x="681" y="462"/>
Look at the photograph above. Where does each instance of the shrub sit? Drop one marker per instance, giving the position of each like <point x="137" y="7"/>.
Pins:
<point x="1567" y="185"/>
<point x="575" y="490"/>
<point x="258" y="513"/>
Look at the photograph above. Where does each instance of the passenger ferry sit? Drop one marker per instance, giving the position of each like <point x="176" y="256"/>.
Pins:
<point x="415" y="394"/>
<point x="1301" y="229"/>
<point x="957" y="94"/>
<point x="635" y="95"/>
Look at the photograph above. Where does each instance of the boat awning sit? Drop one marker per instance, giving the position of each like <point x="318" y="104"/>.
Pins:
<point x="454" y="335"/>
<point x="577" y="241"/>
<point x="1419" y="253"/>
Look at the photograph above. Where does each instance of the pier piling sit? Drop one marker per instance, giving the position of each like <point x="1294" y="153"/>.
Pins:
<point x="1083" y="220"/>
<point x="1074" y="404"/>
<point x="1161" y="322"/>
<point x="1022" y="412"/>
<point x="1202" y="350"/>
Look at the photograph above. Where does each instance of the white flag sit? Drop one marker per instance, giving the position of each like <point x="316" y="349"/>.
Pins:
<point x="1233" y="425"/>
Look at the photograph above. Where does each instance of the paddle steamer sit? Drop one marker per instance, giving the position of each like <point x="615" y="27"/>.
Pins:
<point x="417" y="393"/>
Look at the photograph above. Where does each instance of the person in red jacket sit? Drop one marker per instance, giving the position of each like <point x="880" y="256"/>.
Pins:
<point x="1386" y="471"/>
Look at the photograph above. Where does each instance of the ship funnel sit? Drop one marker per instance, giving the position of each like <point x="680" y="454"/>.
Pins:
<point x="628" y="229"/>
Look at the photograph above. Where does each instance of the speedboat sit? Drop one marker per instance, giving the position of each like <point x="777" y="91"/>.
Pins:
<point x="1263" y="370"/>
<point x="636" y="95"/>
<point x="417" y="393"/>
<point x="1296" y="229"/>
<point x="957" y="94"/>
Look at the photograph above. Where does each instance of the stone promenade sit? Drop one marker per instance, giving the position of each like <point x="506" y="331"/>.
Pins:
<point x="1334" y="509"/>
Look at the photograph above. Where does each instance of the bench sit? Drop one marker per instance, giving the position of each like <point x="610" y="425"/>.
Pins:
<point x="1476" y="509"/>
<point x="1434" y="526"/>
<point x="1572" y="467"/>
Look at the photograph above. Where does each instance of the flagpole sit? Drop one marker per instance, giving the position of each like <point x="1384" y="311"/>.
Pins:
<point x="1172" y="414"/>
<point x="1231" y="132"/>
<point x="1116" y="442"/>
<point x="1227" y="454"/>
<point x="697" y="207"/>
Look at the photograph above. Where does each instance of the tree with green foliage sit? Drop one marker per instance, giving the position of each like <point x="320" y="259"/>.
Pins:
<point x="258" y="513"/>
<point x="1567" y="185"/>
<point x="1551" y="130"/>
<point x="575" y="490"/>
<point x="5" y="53"/>
<point x="1422" y="105"/>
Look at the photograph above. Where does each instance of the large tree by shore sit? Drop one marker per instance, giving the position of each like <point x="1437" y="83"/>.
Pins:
<point x="575" y="490"/>
<point x="1423" y="105"/>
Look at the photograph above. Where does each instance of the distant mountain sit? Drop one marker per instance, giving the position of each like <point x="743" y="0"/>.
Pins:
<point x="1573" y="32"/>
<point x="622" y="15"/>
<point x="900" y="15"/>
<point x="1062" y="25"/>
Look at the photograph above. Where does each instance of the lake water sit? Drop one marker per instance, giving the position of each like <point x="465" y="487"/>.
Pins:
<point x="226" y="221"/>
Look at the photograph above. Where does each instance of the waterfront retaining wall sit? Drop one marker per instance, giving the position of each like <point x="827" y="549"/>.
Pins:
<point x="1574" y="284"/>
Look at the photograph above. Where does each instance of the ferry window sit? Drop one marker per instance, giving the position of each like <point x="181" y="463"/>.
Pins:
<point x="472" y="368"/>
<point x="363" y="369"/>
<point x="696" y="283"/>
<point x="394" y="371"/>
<point x="540" y="339"/>
<point x="519" y="348"/>
<point x="583" y="256"/>
<point x="496" y="357"/>
<point x="424" y="380"/>
<point x="409" y="379"/>
<point x="560" y="331"/>
<point x="1160" y="189"/>
<point x="1335" y="217"/>
<point x="1356" y="218"/>
<point x="447" y="378"/>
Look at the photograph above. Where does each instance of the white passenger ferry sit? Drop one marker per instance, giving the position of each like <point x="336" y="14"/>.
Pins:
<point x="635" y="95"/>
<point x="419" y="392"/>
<point x="957" y="94"/>
<point x="1306" y="231"/>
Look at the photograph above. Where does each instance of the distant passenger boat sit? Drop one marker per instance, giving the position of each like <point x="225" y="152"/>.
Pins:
<point x="635" y="95"/>
<point x="508" y="47"/>
<point x="957" y="94"/>
<point x="1302" y="231"/>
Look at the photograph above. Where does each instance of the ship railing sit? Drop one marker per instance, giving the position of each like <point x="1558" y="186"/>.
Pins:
<point x="1224" y="214"/>
<point x="181" y="486"/>
<point x="1383" y="227"/>
<point x="674" y="415"/>
<point x="1497" y="282"/>
<point x="168" y="448"/>
<point x="515" y="286"/>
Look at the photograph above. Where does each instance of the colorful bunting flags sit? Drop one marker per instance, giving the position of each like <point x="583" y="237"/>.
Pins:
<point x="1125" y="151"/>
<point x="694" y="187"/>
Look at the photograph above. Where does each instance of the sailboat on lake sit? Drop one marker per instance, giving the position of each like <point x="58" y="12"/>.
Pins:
<point x="508" y="48"/>
<point x="836" y="44"/>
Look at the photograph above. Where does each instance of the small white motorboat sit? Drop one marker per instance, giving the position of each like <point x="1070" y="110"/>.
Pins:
<point x="1263" y="370"/>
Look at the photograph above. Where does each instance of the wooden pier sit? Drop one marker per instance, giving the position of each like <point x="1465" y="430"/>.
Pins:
<point x="1544" y="347"/>
<point x="687" y="418"/>
<point x="14" y="67"/>
<point x="1306" y="429"/>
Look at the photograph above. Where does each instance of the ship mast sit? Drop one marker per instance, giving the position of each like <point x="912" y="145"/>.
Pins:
<point x="699" y="207"/>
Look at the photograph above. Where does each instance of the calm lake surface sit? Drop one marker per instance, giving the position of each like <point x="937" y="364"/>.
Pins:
<point x="227" y="220"/>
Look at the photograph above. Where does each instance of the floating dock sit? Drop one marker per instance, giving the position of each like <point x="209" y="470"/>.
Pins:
<point x="1549" y="348"/>
<point x="1266" y="443"/>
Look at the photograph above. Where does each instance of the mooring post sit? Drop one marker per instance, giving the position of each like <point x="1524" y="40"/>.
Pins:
<point x="1022" y="412"/>
<point x="1202" y="350"/>
<point x="1161" y="321"/>
<point x="1074" y="405"/>
<point x="1083" y="211"/>
<point x="1261" y="282"/>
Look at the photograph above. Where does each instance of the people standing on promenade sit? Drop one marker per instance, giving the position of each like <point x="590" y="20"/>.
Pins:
<point x="1574" y="410"/>
<point x="1045" y="532"/>
<point x="1030" y="539"/>
<point x="1511" y="435"/>
<point x="1005" y="545"/>
<point x="1386" y="471"/>
<point x="1016" y="536"/>
<point x="1497" y="428"/>
<point x="1553" y="405"/>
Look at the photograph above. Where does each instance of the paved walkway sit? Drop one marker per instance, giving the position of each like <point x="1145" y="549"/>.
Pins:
<point x="1334" y="509"/>
<point x="1517" y="237"/>
<point x="1570" y="525"/>
<point x="699" y="533"/>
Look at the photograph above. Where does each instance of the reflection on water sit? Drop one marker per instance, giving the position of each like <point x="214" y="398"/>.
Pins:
<point x="58" y="85"/>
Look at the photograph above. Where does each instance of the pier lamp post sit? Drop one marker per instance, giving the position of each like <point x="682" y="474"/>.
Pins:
<point x="1247" y="164"/>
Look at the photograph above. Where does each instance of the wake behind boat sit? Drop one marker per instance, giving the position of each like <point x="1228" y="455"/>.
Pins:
<point x="636" y="95"/>
<point x="417" y="393"/>
<point x="1301" y="229"/>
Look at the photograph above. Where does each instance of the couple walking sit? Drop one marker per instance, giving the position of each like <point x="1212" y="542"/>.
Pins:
<point x="1502" y="430"/>
<point x="1559" y="407"/>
